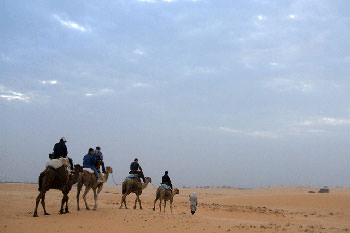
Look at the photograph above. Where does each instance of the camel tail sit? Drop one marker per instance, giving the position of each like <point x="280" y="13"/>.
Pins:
<point x="40" y="180"/>
<point x="123" y="188"/>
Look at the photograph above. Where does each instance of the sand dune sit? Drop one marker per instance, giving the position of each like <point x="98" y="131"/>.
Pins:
<point x="279" y="209"/>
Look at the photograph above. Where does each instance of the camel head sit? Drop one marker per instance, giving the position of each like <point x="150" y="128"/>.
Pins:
<point x="109" y="169"/>
<point x="176" y="191"/>
<point x="78" y="168"/>
<point x="148" y="180"/>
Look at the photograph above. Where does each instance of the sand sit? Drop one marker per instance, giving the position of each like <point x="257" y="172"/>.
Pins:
<point x="278" y="209"/>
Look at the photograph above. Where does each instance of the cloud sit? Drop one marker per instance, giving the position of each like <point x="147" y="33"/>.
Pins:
<point x="154" y="1"/>
<point x="139" y="52"/>
<point x="260" y="17"/>
<point x="141" y="85"/>
<point x="70" y="24"/>
<point x="291" y="16"/>
<point x="99" y="92"/>
<point x="326" y="121"/>
<point x="261" y="134"/>
<point x="50" y="82"/>
<point x="13" y="95"/>
<point x="285" y="84"/>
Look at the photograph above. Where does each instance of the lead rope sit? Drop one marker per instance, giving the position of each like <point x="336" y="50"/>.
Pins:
<point x="114" y="180"/>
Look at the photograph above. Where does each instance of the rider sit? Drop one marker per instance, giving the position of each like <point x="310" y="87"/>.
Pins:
<point x="166" y="180"/>
<point x="60" y="150"/>
<point x="134" y="169"/>
<point x="89" y="161"/>
<point x="99" y="157"/>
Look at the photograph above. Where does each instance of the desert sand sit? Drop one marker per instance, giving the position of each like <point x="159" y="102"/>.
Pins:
<point x="277" y="209"/>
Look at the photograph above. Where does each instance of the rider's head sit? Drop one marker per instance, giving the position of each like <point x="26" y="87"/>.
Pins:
<point x="136" y="160"/>
<point x="91" y="151"/>
<point x="98" y="148"/>
<point x="63" y="139"/>
<point x="166" y="172"/>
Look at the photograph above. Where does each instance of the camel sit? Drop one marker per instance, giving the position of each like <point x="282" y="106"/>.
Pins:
<point x="59" y="179"/>
<point x="89" y="180"/>
<point x="166" y="195"/>
<point x="133" y="186"/>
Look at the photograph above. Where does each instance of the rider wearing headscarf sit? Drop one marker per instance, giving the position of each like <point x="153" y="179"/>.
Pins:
<point x="193" y="203"/>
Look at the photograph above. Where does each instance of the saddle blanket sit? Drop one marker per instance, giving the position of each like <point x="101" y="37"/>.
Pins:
<point x="165" y="186"/>
<point x="57" y="163"/>
<point x="132" y="176"/>
<point x="88" y="170"/>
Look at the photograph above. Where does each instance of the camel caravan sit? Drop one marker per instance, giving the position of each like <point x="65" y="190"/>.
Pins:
<point x="61" y="174"/>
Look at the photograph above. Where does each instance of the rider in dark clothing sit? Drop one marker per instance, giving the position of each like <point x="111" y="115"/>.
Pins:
<point x="166" y="179"/>
<point x="134" y="169"/>
<point x="99" y="157"/>
<point x="60" y="150"/>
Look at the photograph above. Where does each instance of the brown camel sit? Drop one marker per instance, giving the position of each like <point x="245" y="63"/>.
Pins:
<point x="133" y="186"/>
<point x="89" y="180"/>
<point x="56" y="179"/>
<point x="166" y="195"/>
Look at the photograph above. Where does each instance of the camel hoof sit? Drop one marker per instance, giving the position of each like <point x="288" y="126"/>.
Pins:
<point x="67" y="211"/>
<point x="35" y="215"/>
<point x="61" y="212"/>
<point x="154" y="209"/>
<point x="78" y="209"/>
<point x="134" y="207"/>
<point x="46" y="213"/>
<point x="95" y="209"/>
<point x="140" y="208"/>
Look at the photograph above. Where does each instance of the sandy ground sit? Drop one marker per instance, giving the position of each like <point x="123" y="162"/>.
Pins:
<point x="280" y="209"/>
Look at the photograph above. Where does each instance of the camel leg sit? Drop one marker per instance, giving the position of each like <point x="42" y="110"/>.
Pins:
<point x="95" y="198"/>
<point x="66" y="210"/>
<point x="171" y="206"/>
<point x="164" y="204"/>
<point x="62" y="203"/>
<point x="139" y="202"/>
<point x="123" y="201"/>
<point x="43" y="204"/>
<point x="87" y="189"/>
<point x="154" y="203"/>
<point x="78" y="194"/>
<point x="99" y="189"/>
<point x="136" y="201"/>
<point x="37" y="203"/>
<point x="160" y="204"/>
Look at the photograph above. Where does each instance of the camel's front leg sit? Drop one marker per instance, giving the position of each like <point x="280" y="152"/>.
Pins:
<point x="95" y="198"/>
<point x="99" y="189"/>
<point x="78" y="194"/>
<point x="139" y="202"/>
<point x="87" y="189"/>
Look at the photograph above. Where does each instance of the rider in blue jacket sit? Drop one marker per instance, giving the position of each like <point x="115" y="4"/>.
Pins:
<point x="90" y="160"/>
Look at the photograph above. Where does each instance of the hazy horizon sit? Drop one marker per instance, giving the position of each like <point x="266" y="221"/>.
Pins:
<point x="239" y="93"/>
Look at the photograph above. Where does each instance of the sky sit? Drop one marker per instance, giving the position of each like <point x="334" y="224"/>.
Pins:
<point x="246" y="93"/>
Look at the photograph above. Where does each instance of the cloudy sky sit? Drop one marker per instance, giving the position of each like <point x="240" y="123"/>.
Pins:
<point x="242" y="93"/>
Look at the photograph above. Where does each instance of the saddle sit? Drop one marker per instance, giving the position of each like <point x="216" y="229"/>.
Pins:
<point x="57" y="163"/>
<point x="165" y="186"/>
<point x="132" y="176"/>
